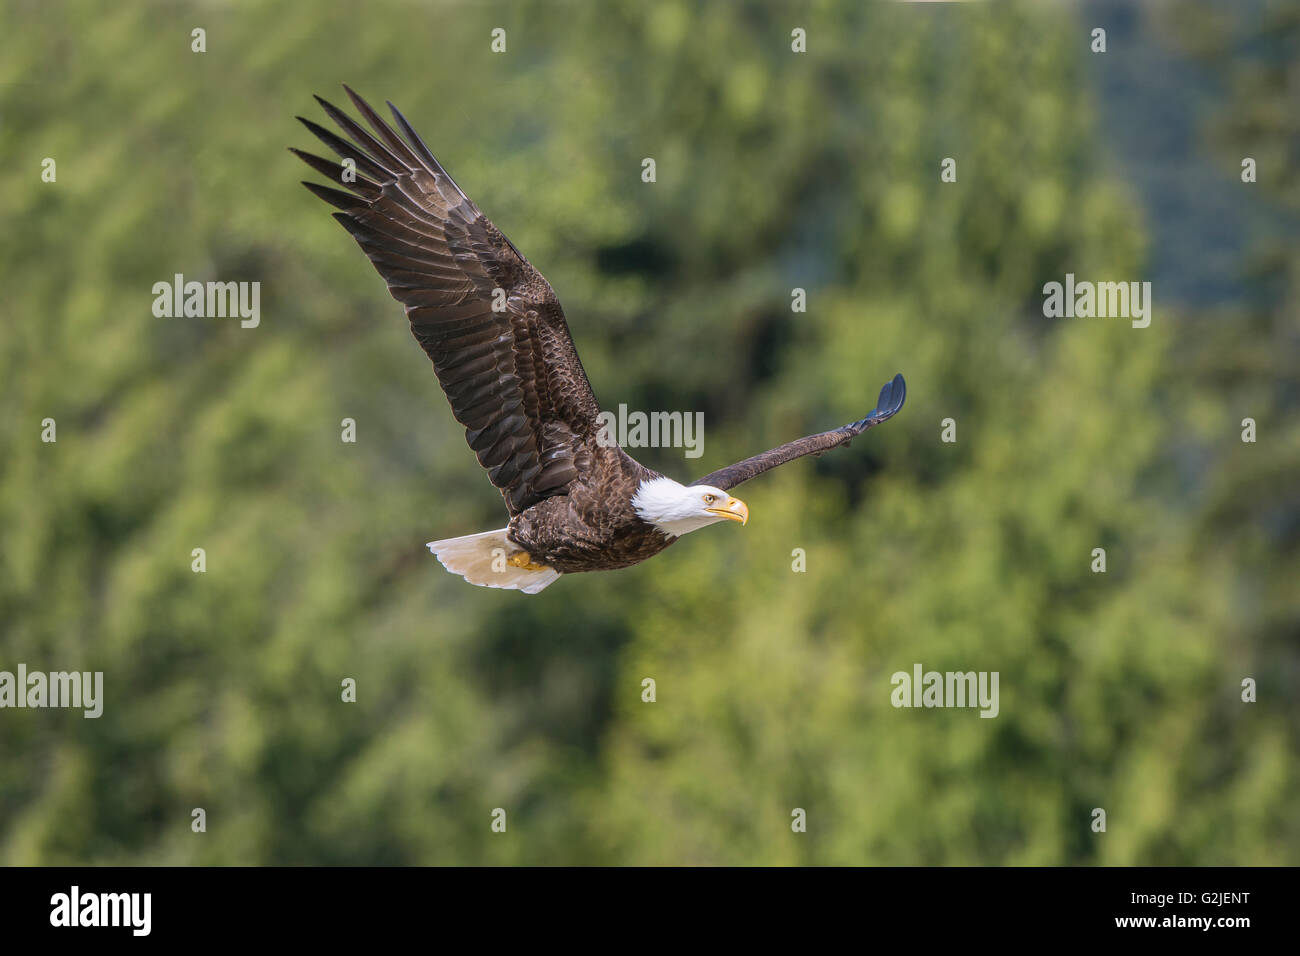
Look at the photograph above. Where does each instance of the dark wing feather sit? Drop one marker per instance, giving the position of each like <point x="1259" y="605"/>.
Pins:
<point x="887" y="406"/>
<point x="513" y="376"/>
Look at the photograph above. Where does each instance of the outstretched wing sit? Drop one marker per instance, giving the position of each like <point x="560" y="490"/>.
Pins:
<point x="489" y="321"/>
<point x="887" y="406"/>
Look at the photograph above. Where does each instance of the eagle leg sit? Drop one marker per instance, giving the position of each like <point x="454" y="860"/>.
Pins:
<point x="522" y="559"/>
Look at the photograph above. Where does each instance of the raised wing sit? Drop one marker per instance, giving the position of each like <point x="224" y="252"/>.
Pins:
<point x="489" y="321"/>
<point x="887" y="406"/>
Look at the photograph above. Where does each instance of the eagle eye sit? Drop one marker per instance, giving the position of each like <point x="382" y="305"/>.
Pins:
<point x="709" y="499"/>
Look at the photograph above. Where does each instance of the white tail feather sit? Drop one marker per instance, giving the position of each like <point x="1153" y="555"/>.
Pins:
<point x="480" y="559"/>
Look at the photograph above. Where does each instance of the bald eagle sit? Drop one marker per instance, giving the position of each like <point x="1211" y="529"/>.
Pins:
<point x="503" y="354"/>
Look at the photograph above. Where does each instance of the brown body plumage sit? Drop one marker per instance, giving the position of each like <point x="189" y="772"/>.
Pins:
<point x="502" y="352"/>
<point x="593" y="527"/>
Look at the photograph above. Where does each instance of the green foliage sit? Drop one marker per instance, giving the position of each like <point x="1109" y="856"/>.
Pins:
<point x="775" y="170"/>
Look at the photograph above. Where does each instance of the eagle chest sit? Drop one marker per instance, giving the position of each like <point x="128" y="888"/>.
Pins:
<point x="561" y="534"/>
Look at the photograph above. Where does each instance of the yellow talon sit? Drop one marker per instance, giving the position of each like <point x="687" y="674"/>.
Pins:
<point x="522" y="559"/>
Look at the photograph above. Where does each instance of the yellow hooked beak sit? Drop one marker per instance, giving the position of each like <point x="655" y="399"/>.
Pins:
<point x="733" y="510"/>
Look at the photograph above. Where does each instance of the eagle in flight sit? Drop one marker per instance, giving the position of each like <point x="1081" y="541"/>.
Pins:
<point x="503" y="354"/>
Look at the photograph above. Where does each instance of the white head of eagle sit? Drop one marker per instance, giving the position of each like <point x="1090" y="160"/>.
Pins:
<point x="677" y="509"/>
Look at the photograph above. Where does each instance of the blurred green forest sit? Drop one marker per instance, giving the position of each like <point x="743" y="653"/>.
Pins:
<point x="775" y="170"/>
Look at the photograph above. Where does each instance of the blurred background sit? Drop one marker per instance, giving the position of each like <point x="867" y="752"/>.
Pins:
<point x="775" y="170"/>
